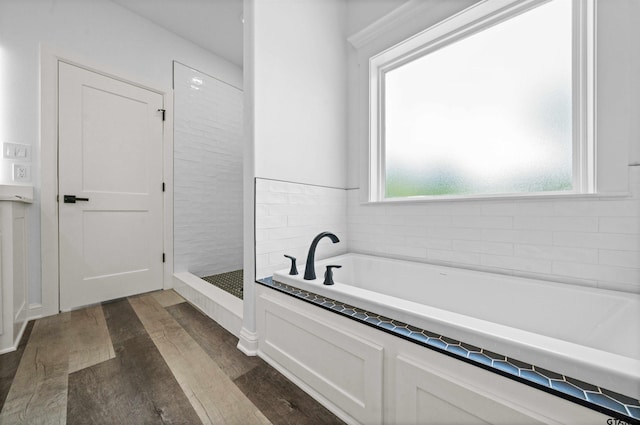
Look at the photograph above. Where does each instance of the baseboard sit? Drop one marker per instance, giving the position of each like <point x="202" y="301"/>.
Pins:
<point x="16" y="340"/>
<point x="34" y="311"/>
<point x="248" y="342"/>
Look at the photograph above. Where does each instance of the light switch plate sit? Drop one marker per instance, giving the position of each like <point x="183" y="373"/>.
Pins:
<point x="16" y="151"/>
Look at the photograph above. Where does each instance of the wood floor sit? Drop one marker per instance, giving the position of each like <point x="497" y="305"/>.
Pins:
<point x="147" y="359"/>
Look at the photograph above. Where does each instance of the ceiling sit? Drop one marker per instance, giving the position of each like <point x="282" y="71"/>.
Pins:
<point x="215" y="25"/>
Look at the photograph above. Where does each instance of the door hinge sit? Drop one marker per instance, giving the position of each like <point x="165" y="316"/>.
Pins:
<point x="163" y="186"/>
<point x="163" y="257"/>
<point x="163" y="113"/>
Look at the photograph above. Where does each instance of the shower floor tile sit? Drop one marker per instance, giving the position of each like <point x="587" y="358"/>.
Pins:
<point x="230" y="282"/>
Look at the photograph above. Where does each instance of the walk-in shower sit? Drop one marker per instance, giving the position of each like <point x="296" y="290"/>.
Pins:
<point x="208" y="196"/>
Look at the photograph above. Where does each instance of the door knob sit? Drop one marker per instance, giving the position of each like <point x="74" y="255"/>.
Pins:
<point x="71" y="199"/>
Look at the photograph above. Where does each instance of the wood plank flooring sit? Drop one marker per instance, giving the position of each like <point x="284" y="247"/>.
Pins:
<point x="145" y="359"/>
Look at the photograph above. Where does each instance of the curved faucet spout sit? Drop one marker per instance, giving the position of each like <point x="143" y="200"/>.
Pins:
<point x="309" y="270"/>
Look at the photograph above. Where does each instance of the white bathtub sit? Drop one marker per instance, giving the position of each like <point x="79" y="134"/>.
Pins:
<point x="585" y="333"/>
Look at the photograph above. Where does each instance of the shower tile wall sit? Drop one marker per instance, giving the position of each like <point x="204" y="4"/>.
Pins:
<point x="594" y="242"/>
<point x="207" y="174"/>
<point x="289" y="215"/>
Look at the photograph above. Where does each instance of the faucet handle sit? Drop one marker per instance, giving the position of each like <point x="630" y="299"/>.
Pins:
<point x="294" y="269"/>
<point x="328" y="275"/>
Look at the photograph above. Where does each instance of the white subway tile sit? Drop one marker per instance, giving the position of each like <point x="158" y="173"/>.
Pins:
<point x="453" y="256"/>
<point x="261" y="235"/>
<point x="455" y="233"/>
<point x="597" y="240"/>
<point x="418" y="220"/>
<point x="444" y="244"/>
<point x="365" y="247"/>
<point x="287" y="209"/>
<point x="483" y="222"/>
<point x="366" y="228"/>
<point x="262" y="272"/>
<point x="619" y="258"/>
<point x="517" y="263"/>
<point x="262" y="260"/>
<point x="262" y="185"/>
<point x="206" y="161"/>
<point x="499" y="208"/>
<point x="626" y="225"/>
<point x="397" y="229"/>
<point x="466" y="208"/>
<point x="499" y="248"/>
<point x="271" y="198"/>
<point x="372" y="209"/>
<point x="541" y="237"/>
<point x="309" y="220"/>
<point x="262" y="210"/>
<point x="421" y="210"/>
<point x="575" y="224"/>
<point x="360" y="237"/>
<point x="270" y="221"/>
<point x="279" y="233"/>
<point x="326" y="249"/>
<point x="562" y="253"/>
<point x="277" y="260"/>
<point x="599" y="207"/>
<point x="408" y="251"/>
<point x="284" y="187"/>
<point x="534" y="208"/>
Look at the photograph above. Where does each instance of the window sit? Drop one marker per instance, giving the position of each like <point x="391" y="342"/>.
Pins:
<point x="485" y="106"/>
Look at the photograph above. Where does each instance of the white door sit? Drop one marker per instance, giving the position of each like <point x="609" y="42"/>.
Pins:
<point x="110" y="139"/>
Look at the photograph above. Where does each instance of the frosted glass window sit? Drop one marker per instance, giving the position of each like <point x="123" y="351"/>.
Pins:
<point x="488" y="114"/>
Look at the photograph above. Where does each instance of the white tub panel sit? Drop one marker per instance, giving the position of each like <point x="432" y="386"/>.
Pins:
<point x="425" y="395"/>
<point x="344" y="368"/>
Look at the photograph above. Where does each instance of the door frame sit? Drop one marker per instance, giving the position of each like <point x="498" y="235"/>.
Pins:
<point x="49" y="233"/>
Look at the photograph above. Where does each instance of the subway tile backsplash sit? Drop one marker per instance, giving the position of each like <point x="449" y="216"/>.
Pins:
<point x="591" y="242"/>
<point x="288" y="217"/>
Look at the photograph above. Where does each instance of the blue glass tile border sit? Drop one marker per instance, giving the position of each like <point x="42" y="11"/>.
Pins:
<point x="625" y="409"/>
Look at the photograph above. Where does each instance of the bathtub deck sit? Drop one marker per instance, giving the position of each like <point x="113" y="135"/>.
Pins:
<point x="129" y="361"/>
<point x="593" y="397"/>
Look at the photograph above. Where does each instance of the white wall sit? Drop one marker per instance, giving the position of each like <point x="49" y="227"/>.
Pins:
<point x="590" y="241"/>
<point x="300" y="96"/>
<point x="207" y="174"/>
<point x="99" y="33"/>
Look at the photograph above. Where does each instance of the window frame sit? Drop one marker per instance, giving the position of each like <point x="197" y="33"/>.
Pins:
<point x="472" y="20"/>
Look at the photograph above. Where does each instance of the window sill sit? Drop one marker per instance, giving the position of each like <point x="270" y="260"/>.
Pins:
<point x="502" y="198"/>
